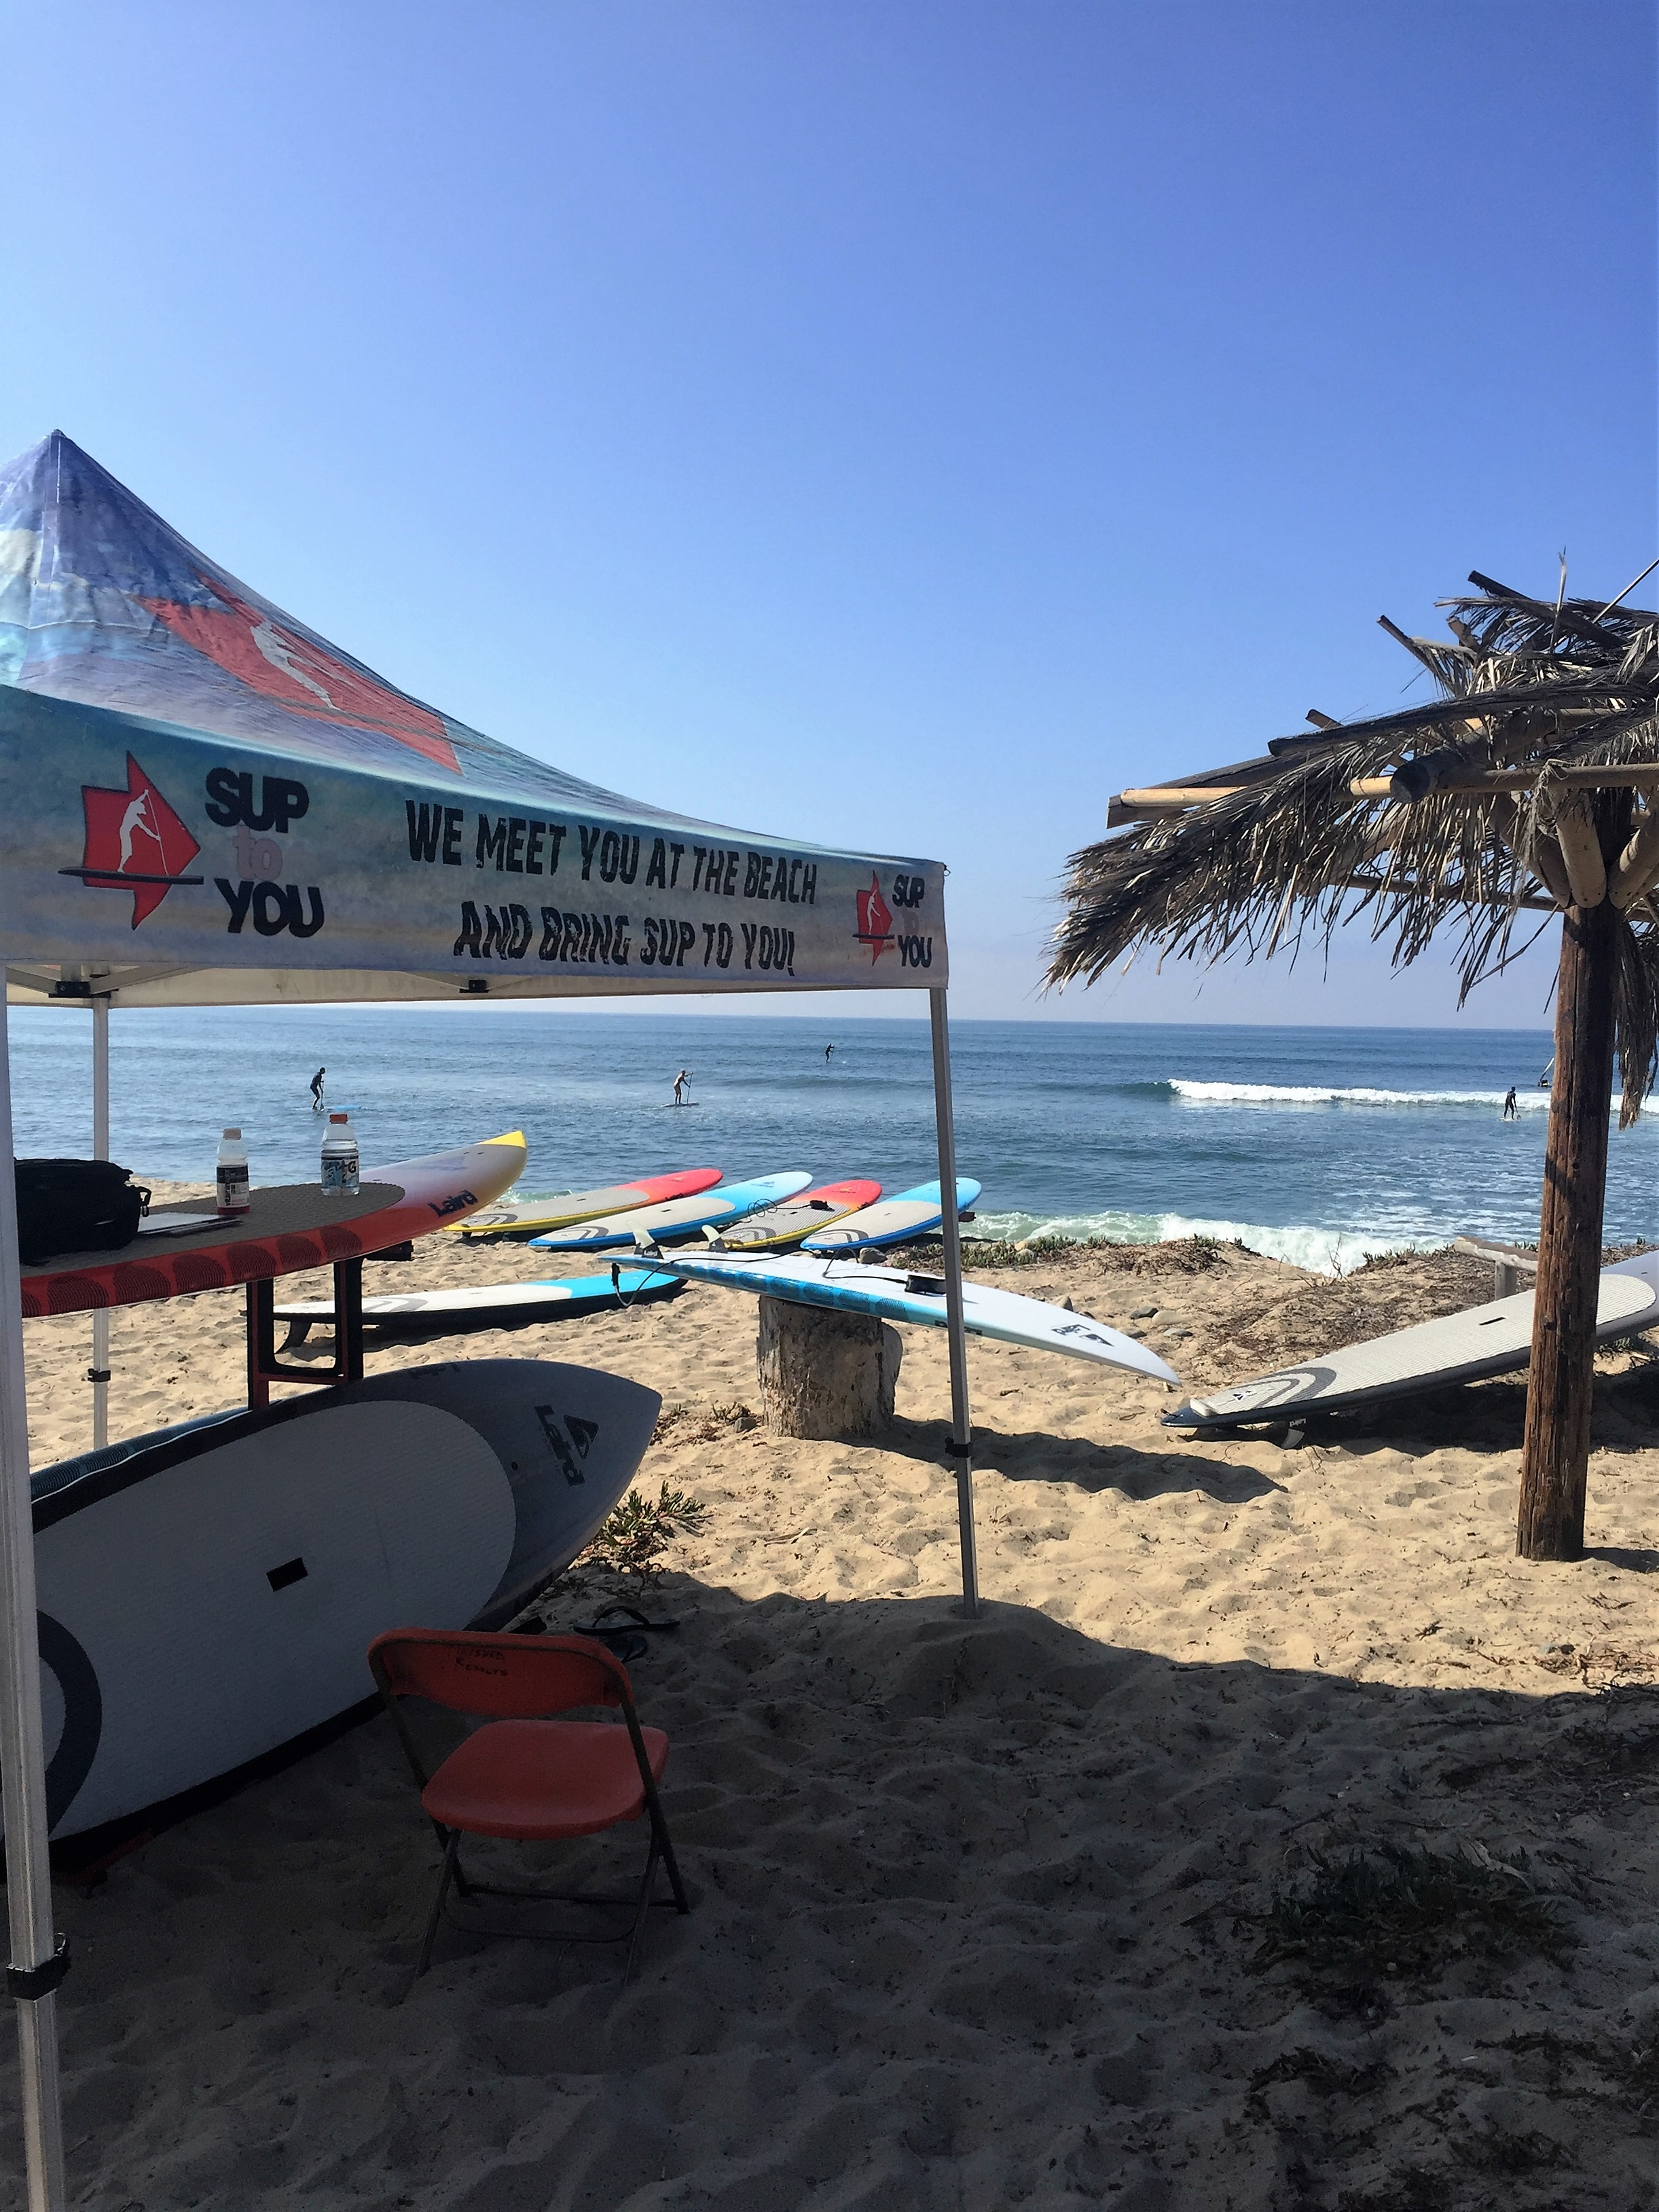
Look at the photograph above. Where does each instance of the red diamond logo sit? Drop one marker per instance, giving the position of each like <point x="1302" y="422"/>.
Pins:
<point x="135" y="841"/>
<point x="875" y="923"/>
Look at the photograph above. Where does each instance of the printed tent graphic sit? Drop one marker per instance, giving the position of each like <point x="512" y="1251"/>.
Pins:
<point x="203" y="801"/>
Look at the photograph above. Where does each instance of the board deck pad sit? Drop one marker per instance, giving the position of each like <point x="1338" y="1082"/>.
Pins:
<point x="894" y="1294"/>
<point x="775" y="1227"/>
<point x="209" y="1595"/>
<point x="525" y="1217"/>
<point x="896" y="1220"/>
<point x="1493" y="1339"/>
<point x="681" y="1217"/>
<point x="475" y="1306"/>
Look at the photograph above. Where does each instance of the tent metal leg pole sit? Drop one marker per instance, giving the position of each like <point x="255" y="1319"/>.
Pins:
<point x="100" y="1369"/>
<point x="22" y="1757"/>
<point x="961" y="1432"/>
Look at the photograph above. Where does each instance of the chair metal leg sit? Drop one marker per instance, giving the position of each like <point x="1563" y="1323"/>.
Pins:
<point x="636" y="1945"/>
<point x="660" y="1827"/>
<point x="436" y="1914"/>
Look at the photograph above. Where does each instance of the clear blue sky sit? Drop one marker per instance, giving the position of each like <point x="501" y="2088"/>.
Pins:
<point x="888" y="423"/>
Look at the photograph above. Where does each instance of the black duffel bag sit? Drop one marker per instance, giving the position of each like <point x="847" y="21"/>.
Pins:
<point x="76" y="1206"/>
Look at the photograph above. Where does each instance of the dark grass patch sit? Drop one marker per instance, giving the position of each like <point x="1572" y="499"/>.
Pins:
<point x="1397" y="1909"/>
<point x="1183" y="1255"/>
<point x="1326" y="2075"/>
<point x="1419" y="2189"/>
<point x="1497" y="2150"/>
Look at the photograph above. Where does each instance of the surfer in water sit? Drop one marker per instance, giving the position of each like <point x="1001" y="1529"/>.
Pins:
<point x="828" y="1049"/>
<point x="680" y="1082"/>
<point x="1511" y="1111"/>
<point x="317" y="1090"/>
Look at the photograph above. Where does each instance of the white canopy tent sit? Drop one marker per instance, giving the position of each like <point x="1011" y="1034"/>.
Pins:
<point x="203" y="803"/>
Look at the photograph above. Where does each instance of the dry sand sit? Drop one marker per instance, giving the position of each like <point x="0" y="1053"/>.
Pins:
<point x="983" y="1912"/>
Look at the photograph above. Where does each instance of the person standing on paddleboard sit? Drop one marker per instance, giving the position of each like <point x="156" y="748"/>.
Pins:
<point x="1511" y="1111"/>
<point x="317" y="1090"/>
<point x="680" y="1082"/>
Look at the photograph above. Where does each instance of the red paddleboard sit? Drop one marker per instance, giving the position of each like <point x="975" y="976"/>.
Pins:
<point x="775" y="1226"/>
<point x="287" y="1227"/>
<point x="532" y="1217"/>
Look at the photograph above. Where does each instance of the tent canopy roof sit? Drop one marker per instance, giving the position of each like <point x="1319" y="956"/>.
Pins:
<point x="151" y="701"/>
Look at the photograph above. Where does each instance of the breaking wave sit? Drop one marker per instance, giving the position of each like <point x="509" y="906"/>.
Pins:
<point x="1321" y="1251"/>
<point x="1308" y="1094"/>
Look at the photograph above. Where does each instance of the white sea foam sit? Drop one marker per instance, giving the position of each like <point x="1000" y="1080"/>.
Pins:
<point x="1321" y="1251"/>
<point x="1308" y="1094"/>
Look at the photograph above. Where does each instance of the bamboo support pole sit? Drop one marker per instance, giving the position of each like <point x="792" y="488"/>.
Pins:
<point x="1548" y="863"/>
<point x="1639" y="775"/>
<point x="1177" y="797"/>
<point x="1638" y="864"/>
<point x="1581" y="849"/>
<point x="1555" y="1450"/>
<point x="1152" y="800"/>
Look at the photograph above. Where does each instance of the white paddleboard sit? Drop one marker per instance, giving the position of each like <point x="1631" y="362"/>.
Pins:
<point x="1486" y="1340"/>
<point x="526" y="1217"/>
<point x="681" y="1217"/>
<point x="570" y="1294"/>
<point x="896" y="1220"/>
<point x="894" y="1294"/>
<point x="208" y="1594"/>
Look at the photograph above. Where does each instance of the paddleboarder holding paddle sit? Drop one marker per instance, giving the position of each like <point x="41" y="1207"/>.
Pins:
<point x="680" y="1082"/>
<point x="317" y="1090"/>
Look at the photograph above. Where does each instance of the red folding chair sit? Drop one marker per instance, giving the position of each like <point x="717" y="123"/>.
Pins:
<point x="523" y="1775"/>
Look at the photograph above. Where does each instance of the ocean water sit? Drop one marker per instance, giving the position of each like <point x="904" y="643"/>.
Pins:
<point x="1316" y="1146"/>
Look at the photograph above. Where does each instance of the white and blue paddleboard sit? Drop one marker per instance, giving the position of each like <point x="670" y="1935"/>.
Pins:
<point x="896" y="1220"/>
<point x="679" y="1217"/>
<point x="895" y="1294"/>
<point x="486" y="1303"/>
<point x="207" y="1594"/>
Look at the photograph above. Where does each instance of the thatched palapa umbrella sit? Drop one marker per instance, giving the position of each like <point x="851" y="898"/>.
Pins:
<point x="1529" y="786"/>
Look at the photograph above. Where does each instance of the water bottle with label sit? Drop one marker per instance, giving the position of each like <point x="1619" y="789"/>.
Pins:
<point x="340" y="1158"/>
<point x="231" y="1175"/>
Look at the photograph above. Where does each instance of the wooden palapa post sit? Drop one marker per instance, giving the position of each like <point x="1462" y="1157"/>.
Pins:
<point x="1560" y="1389"/>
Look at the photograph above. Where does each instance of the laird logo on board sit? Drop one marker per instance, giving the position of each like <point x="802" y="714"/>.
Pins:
<point x="562" y="1435"/>
<point x="134" y="841"/>
<point x="457" y="1202"/>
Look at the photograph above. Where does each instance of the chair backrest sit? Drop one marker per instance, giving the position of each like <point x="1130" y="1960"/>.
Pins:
<point x="504" y="1677"/>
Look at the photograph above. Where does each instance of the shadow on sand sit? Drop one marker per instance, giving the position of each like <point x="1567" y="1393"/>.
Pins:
<point x="979" y="1919"/>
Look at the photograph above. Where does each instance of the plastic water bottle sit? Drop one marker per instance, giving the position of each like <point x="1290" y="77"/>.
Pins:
<point x="339" y="1158"/>
<point x="231" y="1175"/>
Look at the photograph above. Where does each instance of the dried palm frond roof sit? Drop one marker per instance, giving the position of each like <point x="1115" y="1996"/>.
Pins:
<point x="1287" y="849"/>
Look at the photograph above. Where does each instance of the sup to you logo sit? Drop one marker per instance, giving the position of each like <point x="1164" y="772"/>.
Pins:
<point x="134" y="841"/>
<point x="875" y="920"/>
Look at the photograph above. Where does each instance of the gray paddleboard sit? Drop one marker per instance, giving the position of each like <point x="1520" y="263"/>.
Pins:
<point x="1486" y="1340"/>
<point x="209" y="1595"/>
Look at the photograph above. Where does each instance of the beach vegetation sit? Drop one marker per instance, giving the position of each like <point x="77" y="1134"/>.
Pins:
<point x="1182" y="1255"/>
<point x="1398" y="1909"/>
<point x="634" y="1539"/>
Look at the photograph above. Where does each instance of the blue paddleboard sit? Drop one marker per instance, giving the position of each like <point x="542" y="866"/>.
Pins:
<point x="896" y="1220"/>
<point x="678" y="1217"/>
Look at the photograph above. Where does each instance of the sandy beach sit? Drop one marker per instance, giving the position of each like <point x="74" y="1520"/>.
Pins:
<point x="1042" y="1910"/>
